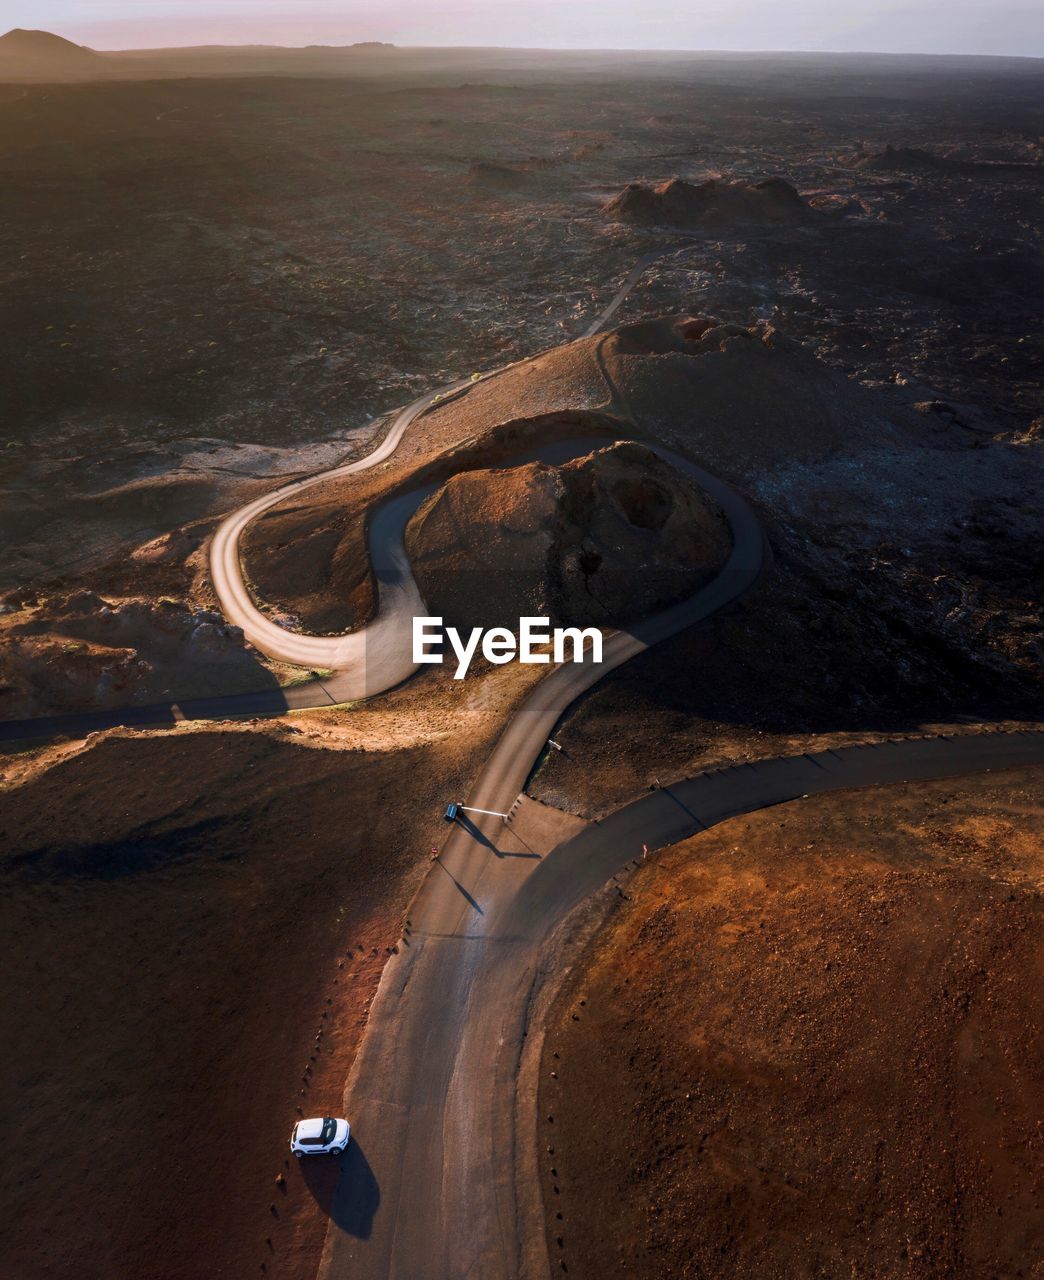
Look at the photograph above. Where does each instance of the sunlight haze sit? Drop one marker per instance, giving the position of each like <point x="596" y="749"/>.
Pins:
<point x="913" y="26"/>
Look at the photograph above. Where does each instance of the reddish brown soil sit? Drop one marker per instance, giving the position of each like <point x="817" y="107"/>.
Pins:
<point x="182" y="915"/>
<point x="809" y="1043"/>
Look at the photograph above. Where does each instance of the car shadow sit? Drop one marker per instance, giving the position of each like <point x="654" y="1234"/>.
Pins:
<point x="345" y="1189"/>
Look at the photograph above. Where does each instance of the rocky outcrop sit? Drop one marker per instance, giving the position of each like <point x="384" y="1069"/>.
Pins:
<point x="80" y="652"/>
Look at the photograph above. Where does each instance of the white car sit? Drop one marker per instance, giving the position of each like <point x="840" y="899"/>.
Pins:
<point x="321" y="1136"/>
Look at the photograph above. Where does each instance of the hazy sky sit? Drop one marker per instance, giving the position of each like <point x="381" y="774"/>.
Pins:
<point x="925" y="26"/>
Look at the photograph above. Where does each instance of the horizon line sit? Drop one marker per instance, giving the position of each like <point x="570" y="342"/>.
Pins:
<point x="522" y="48"/>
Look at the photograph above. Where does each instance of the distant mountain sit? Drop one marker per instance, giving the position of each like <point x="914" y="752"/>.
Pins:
<point x="39" y="55"/>
<point x="42" y="46"/>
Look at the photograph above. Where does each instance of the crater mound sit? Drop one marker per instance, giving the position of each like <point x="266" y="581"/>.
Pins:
<point x="717" y="201"/>
<point x="600" y="540"/>
<point x="743" y="400"/>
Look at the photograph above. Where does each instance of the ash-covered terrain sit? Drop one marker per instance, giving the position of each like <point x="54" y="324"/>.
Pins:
<point x="222" y="270"/>
<point x="210" y="284"/>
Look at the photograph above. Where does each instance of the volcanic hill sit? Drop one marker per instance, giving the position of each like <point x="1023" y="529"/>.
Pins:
<point x="602" y="539"/>
<point x="37" y="53"/>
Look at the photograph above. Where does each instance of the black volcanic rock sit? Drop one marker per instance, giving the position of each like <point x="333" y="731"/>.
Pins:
<point x="678" y="203"/>
<point x="902" y="160"/>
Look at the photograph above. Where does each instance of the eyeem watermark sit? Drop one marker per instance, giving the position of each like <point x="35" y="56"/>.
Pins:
<point x="499" y="644"/>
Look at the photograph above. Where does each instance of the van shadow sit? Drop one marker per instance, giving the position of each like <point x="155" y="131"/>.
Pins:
<point x="479" y="835"/>
<point x="345" y="1189"/>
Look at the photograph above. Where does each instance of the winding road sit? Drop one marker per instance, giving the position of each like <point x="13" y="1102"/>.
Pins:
<point x="377" y="657"/>
<point x="434" y="1136"/>
<point x="436" y="1184"/>
<point x="439" y="1182"/>
<point x="362" y="663"/>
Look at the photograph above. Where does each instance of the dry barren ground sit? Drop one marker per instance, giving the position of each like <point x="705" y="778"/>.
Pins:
<point x="808" y="1044"/>
<point x="194" y="923"/>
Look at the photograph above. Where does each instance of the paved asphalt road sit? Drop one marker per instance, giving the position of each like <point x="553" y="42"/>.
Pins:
<point x="379" y="657"/>
<point x="420" y="1099"/>
<point x="428" y="1188"/>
